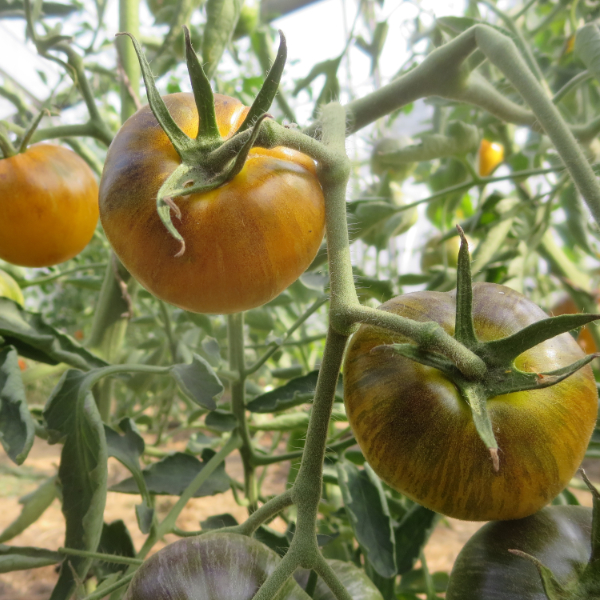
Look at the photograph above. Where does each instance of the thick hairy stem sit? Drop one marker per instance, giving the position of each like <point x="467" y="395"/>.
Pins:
<point x="264" y="513"/>
<point x="330" y="578"/>
<point x="501" y="51"/>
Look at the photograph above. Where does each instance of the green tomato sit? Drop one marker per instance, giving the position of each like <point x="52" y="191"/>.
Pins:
<point x="438" y="252"/>
<point x="214" y="566"/>
<point x="558" y="536"/>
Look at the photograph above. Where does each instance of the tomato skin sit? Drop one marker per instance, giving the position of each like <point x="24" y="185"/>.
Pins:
<point x="213" y="566"/>
<point x="491" y="154"/>
<point x="48" y="206"/>
<point x="558" y="536"/>
<point x="246" y="241"/>
<point x="417" y="432"/>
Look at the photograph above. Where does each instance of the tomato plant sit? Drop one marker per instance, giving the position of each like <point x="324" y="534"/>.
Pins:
<point x="216" y="207"/>
<point x="48" y="206"/>
<point x="246" y="241"/>
<point x="416" y="430"/>
<point x="558" y="536"/>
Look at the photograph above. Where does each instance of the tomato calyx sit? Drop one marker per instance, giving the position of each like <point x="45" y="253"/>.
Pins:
<point x="501" y="376"/>
<point x="208" y="161"/>
<point x="587" y="584"/>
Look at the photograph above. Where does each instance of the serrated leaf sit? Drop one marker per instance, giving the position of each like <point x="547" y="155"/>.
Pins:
<point x="34" y="505"/>
<point x="172" y="474"/>
<point x="18" y="558"/>
<point x="411" y="536"/>
<point x="367" y="509"/>
<point x="71" y="415"/>
<point x="115" y="539"/>
<point x="198" y="382"/>
<point x="33" y="338"/>
<point x="17" y="427"/>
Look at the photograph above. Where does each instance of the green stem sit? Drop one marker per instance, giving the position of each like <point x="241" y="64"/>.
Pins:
<point x="330" y="578"/>
<point x="521" y="43"/>
<point x="112" y="558"/>
<point x="166" y="526"/>
<point x="503" y="53"/>
<point x="168" y="329"/>
<point x="109" y="589"/>
<point x="129" y="21"/>
<point x="265" y="357"/>
<point x="266" y="512"/>
<point x="571" y="85"/>
<point x="42" y="280"/>
<point x="6" y="146"/>
<point x="235" y="324"/>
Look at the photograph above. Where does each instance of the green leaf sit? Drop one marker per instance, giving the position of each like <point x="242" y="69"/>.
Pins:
<point x="221" y="18"/>
<point x="273" y="539"/>
<point x="587" y="47"/>
<point x="115" y="539"/>
<point x="18" y="558"/>
<point x="34" y="338"/>
<point x="127" y="449"/>
<point x="369" y="515"/>
<point x="17" y="427"/>
<point x="221" y="420"/>
<point x="218" y="522"/>
<point x="411" y="536"/>
<point x="414" y="581"/>
<point x="71" y="415"/>
<point x="172" y="474"/>
<point x="198" y="382"/>
<point x="296" y="391"/>
<point x="34" y="505"/>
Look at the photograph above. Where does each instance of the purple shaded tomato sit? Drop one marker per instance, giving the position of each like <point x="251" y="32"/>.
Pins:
<point x="417" y="431"/>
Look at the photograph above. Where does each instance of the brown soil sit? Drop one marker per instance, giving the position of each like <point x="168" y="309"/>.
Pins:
<point x="48" y="531"/>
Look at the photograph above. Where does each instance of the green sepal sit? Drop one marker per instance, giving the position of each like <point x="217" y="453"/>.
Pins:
<point x="520" y="381"/>
<point x="187" y="180"/>
<point x="554" y="590"/>
<point x="429" y="359"/>
<point x="464" y="330"/>
<point x="203" y="94"/>
<point x="476" y="397"/>
<point x="504" y="351"/>
<point x="181" y="142"/>
<point x="266" y="95"/>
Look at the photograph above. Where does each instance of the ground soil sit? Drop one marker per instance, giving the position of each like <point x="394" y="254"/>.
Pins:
<point x="48" y="531"/>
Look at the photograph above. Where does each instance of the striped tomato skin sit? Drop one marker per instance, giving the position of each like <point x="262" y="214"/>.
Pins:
<point x="417" y="432"/>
